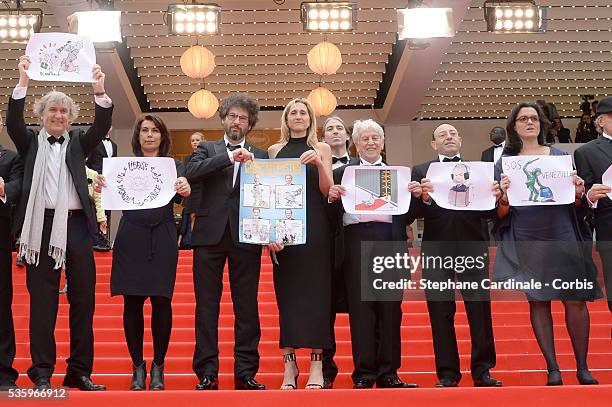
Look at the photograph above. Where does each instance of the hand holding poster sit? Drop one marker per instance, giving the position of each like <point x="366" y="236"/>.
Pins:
<point x="372" y="190"/>
<point x="539" y="179"/>
<point x="273" y="202"/>
<point x="462" y="186"/>
<point x="138" y="182"/>
<point x="60" y="57"/>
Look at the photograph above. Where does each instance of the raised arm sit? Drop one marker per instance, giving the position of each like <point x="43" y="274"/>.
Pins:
<point x="15" y="123"/>
<point x="103" y="113"/>
<point x="205" y="163"/>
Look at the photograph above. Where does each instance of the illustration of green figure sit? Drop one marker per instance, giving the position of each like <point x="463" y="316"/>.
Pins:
<point x="532" y="180"/>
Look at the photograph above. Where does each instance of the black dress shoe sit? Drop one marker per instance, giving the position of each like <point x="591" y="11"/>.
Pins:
<point x="6" y="386"/>
<point x="554" y="378"/>
<point x="394" y="383"/>
<point x="208" y="383"/>
<point x="248" y="383"/>
<point x="328" y="383"/>
<point x="585" y="377"/>
<point x="486" y="380"/>
<point x="447" y="382"/>
<point x="139" y="377"/>
<point x="363" y="384"/>
<point x="157" y="377"/>
<point x="42" y="383"/>
<point x="82" y="383"/>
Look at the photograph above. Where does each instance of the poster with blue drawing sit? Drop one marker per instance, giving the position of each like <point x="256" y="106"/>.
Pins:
<point x="273" y="202"/>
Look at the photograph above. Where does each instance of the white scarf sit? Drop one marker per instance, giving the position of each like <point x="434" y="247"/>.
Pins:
<point x="31" y="234"/>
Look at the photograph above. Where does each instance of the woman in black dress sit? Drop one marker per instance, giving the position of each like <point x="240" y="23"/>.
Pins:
<point x="544" y="244"/>
<point x="302" y="277"/>
<point x="145" y="256"/>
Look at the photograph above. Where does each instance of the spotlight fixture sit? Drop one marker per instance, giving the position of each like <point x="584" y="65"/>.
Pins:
<point x="103" y="25"/>
<point x="17" y="24"/>
<point x="425" y="22"/>
<point x="329" y="16"/>
<point x="193" y="19"/>
<point x="522" y="16"/>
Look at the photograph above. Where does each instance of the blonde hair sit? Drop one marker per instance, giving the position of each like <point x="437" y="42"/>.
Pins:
<point x="361" y="126"/>
<point x="311" y="134"/>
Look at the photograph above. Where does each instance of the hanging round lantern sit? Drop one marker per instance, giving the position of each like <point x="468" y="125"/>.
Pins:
<point x="324" y="58"/>
<point x="197" y="62"/>
<point x="322" y="100"/>
<point x="203" y="104"/>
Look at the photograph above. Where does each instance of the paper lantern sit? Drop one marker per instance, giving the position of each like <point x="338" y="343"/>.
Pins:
<point x="197" y="62"/>
<point x="322" y="100"/>
<point x="203" y="104"/>
<point x="324" y="58"/>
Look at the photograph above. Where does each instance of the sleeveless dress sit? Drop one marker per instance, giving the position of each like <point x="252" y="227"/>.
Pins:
<point x="546" y="244"/>
<point x="302" y="279"/>
<point x="145" y="253"/>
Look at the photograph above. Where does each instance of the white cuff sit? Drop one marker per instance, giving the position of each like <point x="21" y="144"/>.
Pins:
<point x="3" y="198"/>
<point x="591" y="204"/>
<point x="19" y="92"/>
<point x="102" y="101"/>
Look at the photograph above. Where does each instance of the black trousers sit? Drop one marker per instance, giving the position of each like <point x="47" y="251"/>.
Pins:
<point x="442" y="309"/>
<point x="606" y="259"/>
<point x="43" y="286"/>
<point x="7" y="330"/>
<point x="375" y="325"/>
<point x="244" y="265"/>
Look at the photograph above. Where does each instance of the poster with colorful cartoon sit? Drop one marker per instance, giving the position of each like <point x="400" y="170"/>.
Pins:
<point x="273" y="202"/>
<point x="462" y="186"/>
<point x="60" y="57"/>
<point x="539" y="179"/>
<point x="372" y="190"/>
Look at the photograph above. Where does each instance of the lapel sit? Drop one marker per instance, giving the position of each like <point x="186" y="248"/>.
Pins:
<point x="605" y="146"/>
<point x="102" y="149"/>
<point x="228" y="172"/>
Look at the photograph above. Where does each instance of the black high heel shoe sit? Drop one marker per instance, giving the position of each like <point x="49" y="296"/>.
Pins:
<point x="139" y="377"/>
<point x="554" y="378"/>
<point x="290" y="358"/>
<point x="157" y="377"/>
<point x="585" y="377"/>
<point x="315" y="357"/>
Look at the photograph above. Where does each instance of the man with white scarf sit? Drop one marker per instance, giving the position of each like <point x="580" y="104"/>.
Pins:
<point x="57" y="223"/>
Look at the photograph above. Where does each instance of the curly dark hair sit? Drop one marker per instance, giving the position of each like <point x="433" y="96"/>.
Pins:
<point x="515" y="144"/>
<point x="241" y="100"/>
<point x="164" y="147"/>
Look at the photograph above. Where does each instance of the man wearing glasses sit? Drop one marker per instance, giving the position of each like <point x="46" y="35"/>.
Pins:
<point x="215" y="166"/>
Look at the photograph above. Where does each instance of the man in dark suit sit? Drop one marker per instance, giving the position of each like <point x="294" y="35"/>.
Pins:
<point x="374" y="321"/>
<point x="215" y="166"/>
<point x="498" y="138"/>
<point x="11" y="173"/>
<point x="453" y="233"/>
<point x="57" y="222"/>
<point x="592" y="160"/>
<point x="106" y="149"/>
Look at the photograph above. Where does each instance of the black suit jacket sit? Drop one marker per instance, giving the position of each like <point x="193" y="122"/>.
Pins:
<point x="80" y="145"/>
<point x="11" y="171"/>
<point x="488" y="155"/>
<point x="441" y="225"/>
<point x="336" y="210"/>
<point x="592" y="160"/>
<point x="211" y="167"/>
<point x="94" y="161"/>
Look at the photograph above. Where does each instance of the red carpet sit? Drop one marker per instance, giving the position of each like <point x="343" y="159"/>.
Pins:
<point x="520" y="364"/>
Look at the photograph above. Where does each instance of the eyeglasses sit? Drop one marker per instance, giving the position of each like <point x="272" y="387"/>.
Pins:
<point x="525" y="119"/>
<point x="241" y="118"/>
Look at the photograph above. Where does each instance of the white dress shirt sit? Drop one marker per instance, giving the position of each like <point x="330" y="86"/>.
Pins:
<point x="350" y="219"/>
<point x="498" y="150"/>
<point x="231" y="156"/>
<point x="339" y="164"/>
<point x="108" y="146"/>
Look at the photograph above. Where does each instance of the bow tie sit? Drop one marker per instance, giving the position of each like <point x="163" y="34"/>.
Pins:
<point x="454" y="159"/>
<point x="52" y="140"/>
<point x="231" y="147"/>
<point x="343" y="160"/>
<point x="497" y="146"/>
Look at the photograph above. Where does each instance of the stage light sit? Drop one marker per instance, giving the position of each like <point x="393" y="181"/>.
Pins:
<point x="515" y="16"/>
<point x="329" y="16"/>
<point x="193" y="19"/>
<point x="425" y="22"/>
<point x="17" y="24"/>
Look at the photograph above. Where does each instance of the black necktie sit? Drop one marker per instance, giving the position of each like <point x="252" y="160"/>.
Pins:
<point x="231" y="147"/>
<point x="52" y="140"/>
<point x="454" y="159"/>
<point x="343" y="160"/>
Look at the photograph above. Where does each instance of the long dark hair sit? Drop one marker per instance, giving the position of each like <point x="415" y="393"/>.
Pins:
<point x="515" y="144"/>
<point x="164" y="146"/>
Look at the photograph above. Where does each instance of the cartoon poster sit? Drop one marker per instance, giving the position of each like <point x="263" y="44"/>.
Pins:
<point x="462" y="186"/>
<point x="273" y="202"/>
<point x="138" y="182"/>
<point x="374" y="190"/>
<point x="60" y="57"/>
<point x="539" y="179"/>
<point x="606" y="179"/>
